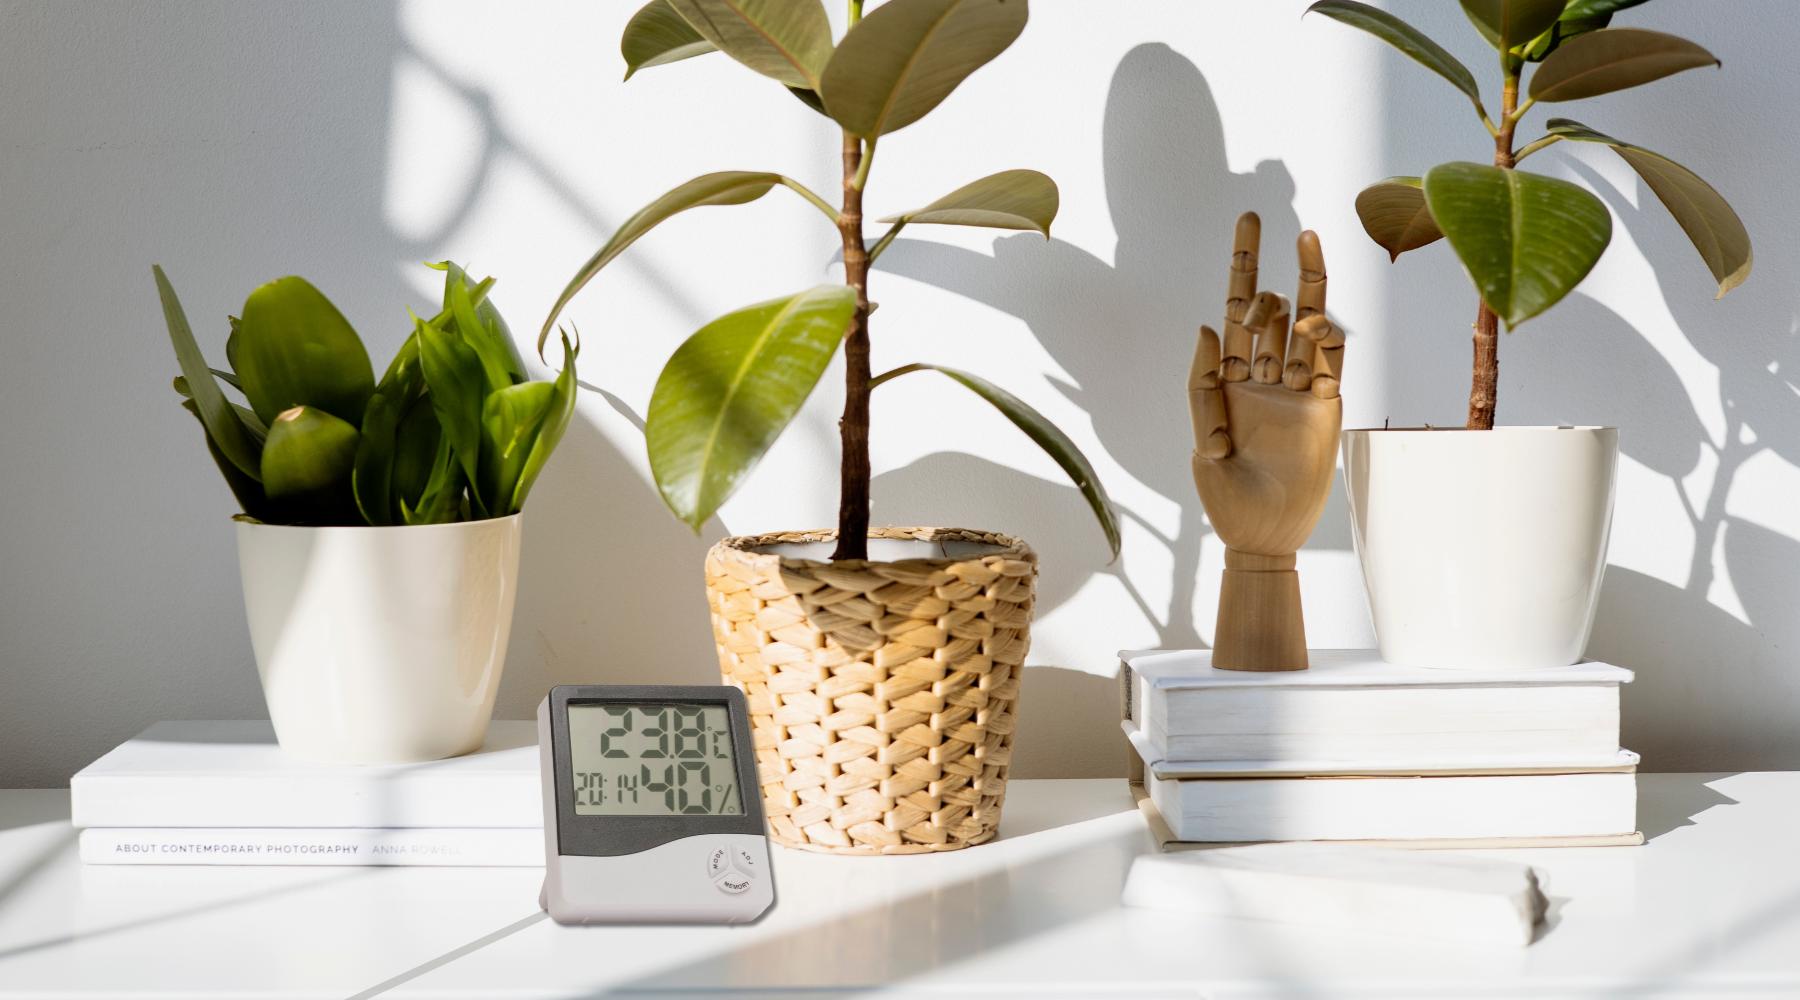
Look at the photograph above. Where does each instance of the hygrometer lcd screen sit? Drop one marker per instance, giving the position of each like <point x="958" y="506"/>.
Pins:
<point x="652" y="759"/>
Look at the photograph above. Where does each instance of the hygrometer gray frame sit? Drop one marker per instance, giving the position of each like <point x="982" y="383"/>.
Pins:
<point x="600" y="836"/>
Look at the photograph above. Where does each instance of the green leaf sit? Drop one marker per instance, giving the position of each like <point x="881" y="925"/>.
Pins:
<point x="310" y="453"/>
<point x="246" y="488"/>
<point x="1525" y="239"/>
<point x="441" y="499"/>
<point x="372" y="473"/>
<point x="487" y="332"/>
<point x="510" y="421"/>
<point x="1394" y="214"/>
<point x="223" y="427"/>
<point x="788" y="40"/>
<point x="1010" y="199"/>
<point x="549" y="435"/>
<point x="1708" y="219"/>
<point x="729" y="187"/>
<point x="295" y="349"/>
<point x="1601" y="62"/>
<point x="1408" y="39"/>
<point x="729" y="391"/>
<point x="1039" y="429"/>
<point x="906" y="56"/>
<point x="1579" y="9"/>
<point x="424" y="466"/>
<point x="251" y="421"/>
<point x="1507" y="24"/>
<point x="458" y="390"/>
<point x="656" y="35"/>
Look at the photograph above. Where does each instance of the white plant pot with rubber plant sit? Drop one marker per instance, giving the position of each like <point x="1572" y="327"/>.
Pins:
<point x="380" y="644"/>
<point x="1482" y="550"/>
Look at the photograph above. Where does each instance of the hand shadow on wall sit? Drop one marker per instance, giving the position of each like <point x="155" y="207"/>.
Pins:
<point x="1124" y="330"/>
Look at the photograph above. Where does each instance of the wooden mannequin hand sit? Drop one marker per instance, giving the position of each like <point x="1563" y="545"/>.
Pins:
<point x="1266" y="416"/>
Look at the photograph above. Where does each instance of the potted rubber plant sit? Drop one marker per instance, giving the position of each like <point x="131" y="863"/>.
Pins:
<point x="379" y="537"/>
<point x="882" y="665"/>
<point x="1484" y="547"/>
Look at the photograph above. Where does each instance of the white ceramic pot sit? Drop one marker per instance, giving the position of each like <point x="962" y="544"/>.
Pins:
<point x="379" y="645"/>
<point x="1482" y="549"/>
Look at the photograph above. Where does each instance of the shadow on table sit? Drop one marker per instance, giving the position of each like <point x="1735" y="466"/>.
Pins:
<point x="1678" y="799"/>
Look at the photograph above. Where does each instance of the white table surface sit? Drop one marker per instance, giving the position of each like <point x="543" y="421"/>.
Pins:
<point x="1709" y="907"/>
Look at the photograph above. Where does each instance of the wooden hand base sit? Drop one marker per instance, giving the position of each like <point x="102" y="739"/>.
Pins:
<point x="1260" y="625"/>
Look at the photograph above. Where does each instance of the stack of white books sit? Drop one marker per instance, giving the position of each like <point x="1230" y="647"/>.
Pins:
<point x="223" y="793"/>
<point x="1357" y="749"/>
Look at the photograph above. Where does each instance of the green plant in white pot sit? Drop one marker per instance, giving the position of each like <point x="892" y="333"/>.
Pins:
<point x="882" y="665"/>
<point x="1484" y="548"/>
<point x="379" y="539"/>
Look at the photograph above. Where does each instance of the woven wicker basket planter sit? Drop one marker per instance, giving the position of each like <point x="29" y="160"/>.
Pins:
<point x="882" y="694"/>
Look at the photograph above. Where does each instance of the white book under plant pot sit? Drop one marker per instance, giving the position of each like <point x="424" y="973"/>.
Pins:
<point x="379" y="538"/>
<point x="882" y="665"/>
<point x="1484" y="548"/>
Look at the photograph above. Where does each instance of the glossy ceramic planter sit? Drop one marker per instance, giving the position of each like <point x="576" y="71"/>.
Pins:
<point x="1482" y="549"/>
<point x="380" y="645"/>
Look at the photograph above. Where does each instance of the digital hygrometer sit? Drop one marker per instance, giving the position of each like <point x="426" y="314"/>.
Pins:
<point x="651" y="809"/>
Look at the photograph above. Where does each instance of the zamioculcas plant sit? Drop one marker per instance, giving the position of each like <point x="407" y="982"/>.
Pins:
<point x="453" y="431"/>
<point x="728" y="392"/>
<point x="1527" y="240"/>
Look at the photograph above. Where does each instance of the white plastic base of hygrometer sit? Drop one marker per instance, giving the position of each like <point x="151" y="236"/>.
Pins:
<point x="719" y="878"/>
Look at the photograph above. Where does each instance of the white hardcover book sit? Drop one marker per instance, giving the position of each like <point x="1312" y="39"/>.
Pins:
<point x="495" y="847"/>
<point x="1351" y="705"/>
<point x="1367" y="890"/>
<point x="232" y="774"/>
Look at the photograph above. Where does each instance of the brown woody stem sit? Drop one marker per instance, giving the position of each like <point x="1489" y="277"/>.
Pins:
<point x="853" y="429"/>
<point x="1484" y="383"/>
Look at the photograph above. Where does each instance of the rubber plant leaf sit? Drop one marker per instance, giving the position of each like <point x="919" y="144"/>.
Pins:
<point x="295" y="349"/>
<point x="1395" y="215"/>
<point x="1508" y="24"/>
<point x="1011" y="199"/>
<point x="223" y="427"/>
<point x="309" y="457"/>
<point x="656" y="35"/>
<point x="1601" y="62"/>
<point x="246" y="488"/>
<point x="1526" y="240"/>
<point x="786" y="40"/>
<point x="906" y="56"/>
<point x="458" y="390"/>
<point x="1403" y="36"/>
<point x="1045" y="434"/>
<point x="1709" y="221"/>
<point x="1578" y="9"/>
<point x="729" y="187"/>
<point x="549" y="435"/>
<point x="730" y="389"/>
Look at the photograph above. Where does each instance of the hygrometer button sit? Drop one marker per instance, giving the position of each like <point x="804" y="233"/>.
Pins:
<point x="718" y="863"/>
<point x="744" y="862"/>
<point x="733" y="883"/>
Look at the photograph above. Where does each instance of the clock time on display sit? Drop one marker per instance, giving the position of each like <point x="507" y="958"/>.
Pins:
<point x="649" y="759"/>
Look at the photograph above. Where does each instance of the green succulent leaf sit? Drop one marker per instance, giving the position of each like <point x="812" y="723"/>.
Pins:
<point x="1010" y="199"/>
<point x="440" y="501"/>
<point x="729" y="391"/>
<point x="549" y="435"/>
<point x="1525" y="239"/>
<point x="1408" y="39"/>
<point x="1395" y="215"/>
<point x="1601" y="62"/>
<point x="252" y="422"/>
<point x="478" y="320"/>
<point x="246" y="488"/>
<point x="224" y="429"/>
<point x="906" y="56"/>
<point x="1579" y="9"/>
<point x="372" y="474"/>
<point x="511" y="420"/>
<point x="1507" y="24"/>
<point x="1710" y="222"/>
<point x="729" y="187"/>
<point x="458" y="391"/>
<point x="787" y="40"/>
<point x="310" y="453"/>
<point x="656" y="35"/>
<point x="1045" y="434"/>
<point x="295" y="349"/>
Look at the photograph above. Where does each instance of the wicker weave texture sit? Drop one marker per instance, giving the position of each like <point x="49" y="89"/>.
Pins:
<point x="882" y="694"/>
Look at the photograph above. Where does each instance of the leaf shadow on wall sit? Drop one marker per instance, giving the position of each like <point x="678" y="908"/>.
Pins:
<point x="1124" y="331"/>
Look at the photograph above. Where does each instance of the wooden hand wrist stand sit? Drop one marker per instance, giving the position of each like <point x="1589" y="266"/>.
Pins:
<point x="1266" y="413"/>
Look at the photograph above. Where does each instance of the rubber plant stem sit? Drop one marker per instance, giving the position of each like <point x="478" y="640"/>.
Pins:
<point x="1485" y="381"/>
<point x="853" y="429"/>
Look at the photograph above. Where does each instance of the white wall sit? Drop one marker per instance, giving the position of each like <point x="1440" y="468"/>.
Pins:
<point x="234" y="143"/>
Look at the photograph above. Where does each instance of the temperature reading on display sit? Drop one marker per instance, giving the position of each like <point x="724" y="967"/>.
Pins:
<point x="653" y="760"/>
